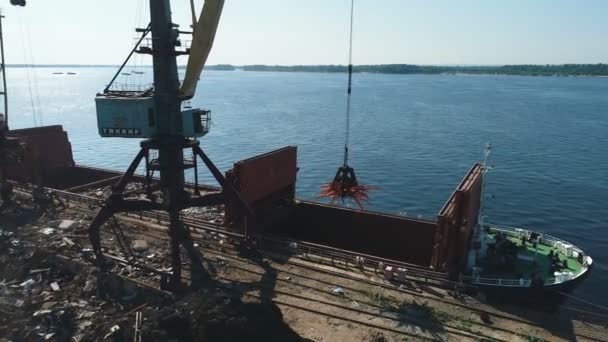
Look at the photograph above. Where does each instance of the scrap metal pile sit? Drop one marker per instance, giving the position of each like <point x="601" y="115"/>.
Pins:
<point x="50" y="291"/>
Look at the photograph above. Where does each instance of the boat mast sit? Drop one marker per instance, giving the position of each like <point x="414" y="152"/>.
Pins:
<point x="484" y="171"/>
<point x="477" y="231"/>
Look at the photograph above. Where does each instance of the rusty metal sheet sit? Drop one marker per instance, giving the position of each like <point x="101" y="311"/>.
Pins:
<point x="456" y="221"/>
<point x="263" y="175"/>
<point x="46" y="148"/>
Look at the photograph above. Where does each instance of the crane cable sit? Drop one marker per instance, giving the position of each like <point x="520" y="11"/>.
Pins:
<point x="34" y="75"/>
<point x="598" y="306"/>
<point x="28" y="66"/>
<point x="133" y="77"/>
<point x="350" y="78"/>
<point x="345" y="185"/>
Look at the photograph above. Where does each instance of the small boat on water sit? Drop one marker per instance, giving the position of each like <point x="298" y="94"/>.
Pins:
<point x="57" y="73"/>
<point x="502" y="257"/>
<point x="516" y="258"/>
<point x="71" y="73"/>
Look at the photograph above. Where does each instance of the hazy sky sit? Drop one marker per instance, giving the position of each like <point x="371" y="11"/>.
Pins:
<point x="316" y="31"/>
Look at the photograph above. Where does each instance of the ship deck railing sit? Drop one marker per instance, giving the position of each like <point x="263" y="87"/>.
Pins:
<point x="499" y="281"/>
<point x="515" y="282"/>
<point x="129" y="89"/>
<point x="544" y="239"/>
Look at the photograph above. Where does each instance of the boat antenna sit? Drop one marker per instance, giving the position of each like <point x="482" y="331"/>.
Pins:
<point x="345" y="185"/>
<point x="485" y="168"/>
<point x="480" y="216"/>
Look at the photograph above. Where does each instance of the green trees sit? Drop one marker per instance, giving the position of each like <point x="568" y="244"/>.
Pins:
<point x="522" y="69"/>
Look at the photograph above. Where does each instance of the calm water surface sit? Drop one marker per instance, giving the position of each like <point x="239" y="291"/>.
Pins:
<point x="413" y="136"/>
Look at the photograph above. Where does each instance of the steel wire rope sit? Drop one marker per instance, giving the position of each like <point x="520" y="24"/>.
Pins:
<point x="27" y="71"/>
<point x="349" y="88"/>
<point x="34" y="75"/>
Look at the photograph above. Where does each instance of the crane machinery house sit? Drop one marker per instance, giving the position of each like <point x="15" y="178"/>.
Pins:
<point x="135" y="116"/>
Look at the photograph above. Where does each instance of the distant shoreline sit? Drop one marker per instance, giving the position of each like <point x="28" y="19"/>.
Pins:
<point x="521" y="70"/>
<point x="598" y="70"/>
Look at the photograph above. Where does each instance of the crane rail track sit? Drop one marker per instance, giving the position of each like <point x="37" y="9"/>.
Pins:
<point x="399" y="324"/>
<point x="299" y="281"/>
<point x="202" y="230"/>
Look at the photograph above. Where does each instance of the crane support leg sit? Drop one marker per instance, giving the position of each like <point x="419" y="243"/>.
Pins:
<point x="226" y="186"/>
<point x="111" y="207"/>
<point x="175" y="198"/>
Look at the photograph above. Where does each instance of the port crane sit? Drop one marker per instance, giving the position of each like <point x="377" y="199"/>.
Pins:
<point x="156" y="115"/>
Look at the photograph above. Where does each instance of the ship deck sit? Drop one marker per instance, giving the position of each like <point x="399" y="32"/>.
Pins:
<point x="534" y="261"/>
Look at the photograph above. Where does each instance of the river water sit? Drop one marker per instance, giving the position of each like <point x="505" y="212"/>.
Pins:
<point x="413" y="136"/>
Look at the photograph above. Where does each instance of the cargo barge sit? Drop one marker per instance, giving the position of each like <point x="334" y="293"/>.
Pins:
<point x="455" y="247"/>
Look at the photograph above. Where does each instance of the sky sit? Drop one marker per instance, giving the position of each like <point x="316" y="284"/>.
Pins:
<point x="295" y="32"/>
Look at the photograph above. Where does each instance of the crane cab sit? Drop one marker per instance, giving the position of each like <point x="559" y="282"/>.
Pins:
<point x="128" y="116"/>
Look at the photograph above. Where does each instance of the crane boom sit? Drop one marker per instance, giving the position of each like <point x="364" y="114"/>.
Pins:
<point x="204" y="34"/>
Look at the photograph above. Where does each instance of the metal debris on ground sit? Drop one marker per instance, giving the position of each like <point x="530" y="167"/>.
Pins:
<point x="41" y="312"/>
<point x="113" y="330"/>
<point x="48" y="305"/>
<point x="27" y="287"/>
<point x="27" y="283"/>
<point x="55" y="286"/>
<point x="39" y="270"/>
<point x="89" y="285"/>
<point x="338" y="291"/>
<point x="86" y="314"/>
<point x="140" y="246"/>
<point x="47" y="231"/>
<point x="66" y="224"/>
<point x="68" y="241"/>
<point x="138" y="323"/>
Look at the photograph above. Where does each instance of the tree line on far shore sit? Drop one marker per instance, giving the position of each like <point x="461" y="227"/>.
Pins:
<point x="526" y="69"/>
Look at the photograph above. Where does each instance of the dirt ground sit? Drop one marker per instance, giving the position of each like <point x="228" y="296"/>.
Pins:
<point x="50" y="291"/>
